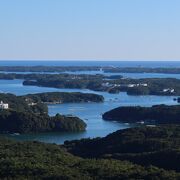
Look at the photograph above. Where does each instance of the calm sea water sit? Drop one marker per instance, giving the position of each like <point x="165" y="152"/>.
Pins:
<point x="150" y="64"/>
<point x="130" y="75"/>
<point x="93" y="63"/>
<point x="89" y="112"/>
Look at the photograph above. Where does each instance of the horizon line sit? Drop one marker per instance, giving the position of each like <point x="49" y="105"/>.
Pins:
<point x="84" y="60"/>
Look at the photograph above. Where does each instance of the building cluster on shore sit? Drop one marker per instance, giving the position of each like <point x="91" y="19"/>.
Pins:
<point x="107" y="84"/>
<point x="171" y="90"/>
<point x="4" y="105"/>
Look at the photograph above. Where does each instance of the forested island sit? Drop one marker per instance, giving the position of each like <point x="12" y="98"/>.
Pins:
<point x="140" y="153"/>
<point x="111" y="84"/>
<point x="63" y="97"/>
<point x="146" y="86"/>
<point x="157" y="114"/>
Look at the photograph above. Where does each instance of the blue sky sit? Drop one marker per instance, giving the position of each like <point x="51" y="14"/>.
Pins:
<point x="90" y="29"/>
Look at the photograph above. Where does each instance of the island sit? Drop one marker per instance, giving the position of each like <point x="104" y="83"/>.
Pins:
<point x="145" y="86"/>
<point x="99" y="82"/>
<point x="63" y="97"/>
<point x="157" y="114"/>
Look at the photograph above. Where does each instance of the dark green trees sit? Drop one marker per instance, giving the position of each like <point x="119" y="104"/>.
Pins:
<point x="25" y="122"/>
<point x="158" y="114"/>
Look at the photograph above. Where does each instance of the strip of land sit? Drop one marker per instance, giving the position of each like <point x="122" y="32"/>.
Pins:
<point x="106" y="69"/>
<point x="145" y="86"/>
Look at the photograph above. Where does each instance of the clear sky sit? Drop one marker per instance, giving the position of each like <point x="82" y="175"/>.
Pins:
<point x="90" y="29"/>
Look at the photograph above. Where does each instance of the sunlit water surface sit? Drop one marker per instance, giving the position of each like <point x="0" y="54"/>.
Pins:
<point x="91" y="113"/>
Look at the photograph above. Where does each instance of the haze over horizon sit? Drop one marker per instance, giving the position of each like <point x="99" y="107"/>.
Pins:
<point x="91" y="30"/>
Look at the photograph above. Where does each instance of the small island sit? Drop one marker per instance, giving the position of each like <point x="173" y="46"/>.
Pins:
<point x="157" y="114"/>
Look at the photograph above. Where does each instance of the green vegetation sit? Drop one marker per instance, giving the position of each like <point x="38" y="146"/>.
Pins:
<point x="92" y="82"/>
<point x="112" y="84"/>
<point x="158" y="146"/>
<point x="25" y="122"/>
<point x="137" y="153"/>
<point x="63" y="97"/>
<point x="158" y="114"/>
<point x="29" y="113"/>
<point x="34" y="160"/>
<point x="18" y="103"/>
<point x="147" y="86"/>
<point x="142" y="70"/>
<point x="48" y="68"/>
<point x="36" y="102"/>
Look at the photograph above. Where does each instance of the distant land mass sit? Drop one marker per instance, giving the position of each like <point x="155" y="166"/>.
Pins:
<point x="104" y="68"/>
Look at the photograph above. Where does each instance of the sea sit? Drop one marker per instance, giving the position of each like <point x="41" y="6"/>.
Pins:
<point x="91" y="113"/>
<point x="122" y="63"/>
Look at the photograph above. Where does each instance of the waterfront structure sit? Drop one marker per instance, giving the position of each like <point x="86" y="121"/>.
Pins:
<point x="4" y="105"/>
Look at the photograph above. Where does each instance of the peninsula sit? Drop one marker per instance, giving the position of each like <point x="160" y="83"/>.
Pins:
<point x="25" y="115"/>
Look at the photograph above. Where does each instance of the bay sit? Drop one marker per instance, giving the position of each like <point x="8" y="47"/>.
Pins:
<point x="89" y="112"/>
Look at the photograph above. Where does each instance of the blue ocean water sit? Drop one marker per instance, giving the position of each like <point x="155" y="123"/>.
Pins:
<point x="91" y="113"/>
<point x="93" y="63"/>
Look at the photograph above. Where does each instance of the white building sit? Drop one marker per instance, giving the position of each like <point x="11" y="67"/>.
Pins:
<point x="169" y="90"/>
<point x="131" y="85"/>
<point x="144" y="84"/>
<point x="3" y="105"/>
<point x="107" y="84"/>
